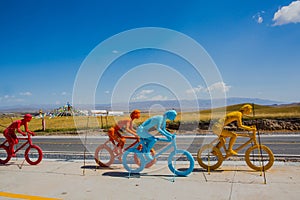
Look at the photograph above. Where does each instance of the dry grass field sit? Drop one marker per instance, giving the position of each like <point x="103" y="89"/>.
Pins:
<point x="70" y="124"/>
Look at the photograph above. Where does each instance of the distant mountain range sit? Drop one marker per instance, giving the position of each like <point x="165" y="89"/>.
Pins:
<point x="201" y="104"/>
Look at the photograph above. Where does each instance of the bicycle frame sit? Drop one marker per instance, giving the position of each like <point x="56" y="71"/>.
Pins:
<point x="30" y="150"/>
<point x="166" y="148"/>
<point x="252" y="138"/>
<point x="253" y="154"/>
<point x="126" y="137"/>
<point x="28" y="141"/>
<point x="110" y="148"/>
<point x="134" y="154"/>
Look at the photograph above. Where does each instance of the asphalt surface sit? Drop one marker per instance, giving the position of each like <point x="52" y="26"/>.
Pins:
<point x="72" y="147"/>
<point x="74" y="179"/>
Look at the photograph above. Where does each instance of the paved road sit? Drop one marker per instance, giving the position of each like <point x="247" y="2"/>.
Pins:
<point x="279" y="144"/>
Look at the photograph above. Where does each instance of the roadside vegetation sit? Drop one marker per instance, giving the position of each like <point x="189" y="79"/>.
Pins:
<point x="69" y="124"/>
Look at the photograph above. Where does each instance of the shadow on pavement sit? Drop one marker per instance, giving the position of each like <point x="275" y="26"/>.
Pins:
<point x="96" y="167"/>
<point x="139" y="175"/>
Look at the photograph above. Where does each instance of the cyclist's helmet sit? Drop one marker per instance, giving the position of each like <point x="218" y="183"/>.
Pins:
<point x="171" y="114"/>
<point x="246" y="107"/>
<point x="27" y="117"/>
<point x="135" y="114"/>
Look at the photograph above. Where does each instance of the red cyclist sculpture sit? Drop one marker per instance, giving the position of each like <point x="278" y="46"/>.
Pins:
<point x="10" y="135"/>
<point x="33" y="154"/>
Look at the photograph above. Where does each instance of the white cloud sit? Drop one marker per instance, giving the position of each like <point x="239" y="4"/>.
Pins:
<point x="146" y="91"/>
<point x="64" y="93"/>
<point x="106" y="92"/>
<point x="287" y="14"/>
<point x="115" y="51"/>
<point x="142" y="95"/>
<point x="195" y="90"/>
<point x="258" y="17"/>
<point x="10" y="99"/>
<point x="218" y="87"/>
<point x="25" y="93"/>
<point x="260" y="20"/>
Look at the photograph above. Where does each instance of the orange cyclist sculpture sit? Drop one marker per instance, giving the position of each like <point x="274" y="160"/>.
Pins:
<point x="218" y="127"/>
<point x="126" y="125"/>
<point x="10" y="134"/>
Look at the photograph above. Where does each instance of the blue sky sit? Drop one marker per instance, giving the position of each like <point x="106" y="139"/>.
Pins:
<point x="254" y="44"/>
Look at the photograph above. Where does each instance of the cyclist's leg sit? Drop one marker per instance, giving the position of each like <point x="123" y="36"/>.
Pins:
<point x="12" y="140"/>
<point x="117" y="150"/>
<point x="111" y="135"/>
<point x="232" y="140"/>
<point x="121" y="143"/>
<point x="221" y="142"/>
<point x="150" y="142"/>
<point x="217" y="129"/>
<point x="114" y="137"/>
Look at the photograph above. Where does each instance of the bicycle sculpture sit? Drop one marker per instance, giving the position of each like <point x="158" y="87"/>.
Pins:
<point x="105" y="154"/>
<point x="131" y="164"/>
<point x="211" y="157"/>
<point x="33" y="153"/>
<point x="258" y="157"/>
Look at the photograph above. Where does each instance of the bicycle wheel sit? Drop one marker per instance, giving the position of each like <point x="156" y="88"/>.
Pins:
<point x="33" y="155"/>
<point x="209" y="157"/>
<point x="4" y="155"/>
<point x="130" y="162"/>
<point x="181" y="155"/>
<point x="259" y="157"/>
<point x="104" y="156"/>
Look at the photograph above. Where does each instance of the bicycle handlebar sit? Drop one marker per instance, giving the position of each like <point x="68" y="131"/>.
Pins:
<point x="28" y="135"/>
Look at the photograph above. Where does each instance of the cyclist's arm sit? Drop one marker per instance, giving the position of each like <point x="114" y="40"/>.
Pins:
<point x="18" y="125"/>
<point x="129" y="129"/>
<point x="20" y="131"/>
<point x="168" y="135"/>
<point x="27" y="130"/>
<point x="247" y="128"/>
<point x="131" y="132"/>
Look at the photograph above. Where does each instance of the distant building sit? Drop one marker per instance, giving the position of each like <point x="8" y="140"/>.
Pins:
<point x="115" y="113"/>
<point x="98" y="112"/>
<point x="106" y="113"/>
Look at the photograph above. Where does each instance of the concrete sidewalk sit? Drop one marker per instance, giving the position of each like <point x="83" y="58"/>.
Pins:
<point x="58" y="179"/>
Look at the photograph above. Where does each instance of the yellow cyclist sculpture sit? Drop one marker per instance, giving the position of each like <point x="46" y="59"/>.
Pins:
<point x="218" y="127"/>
